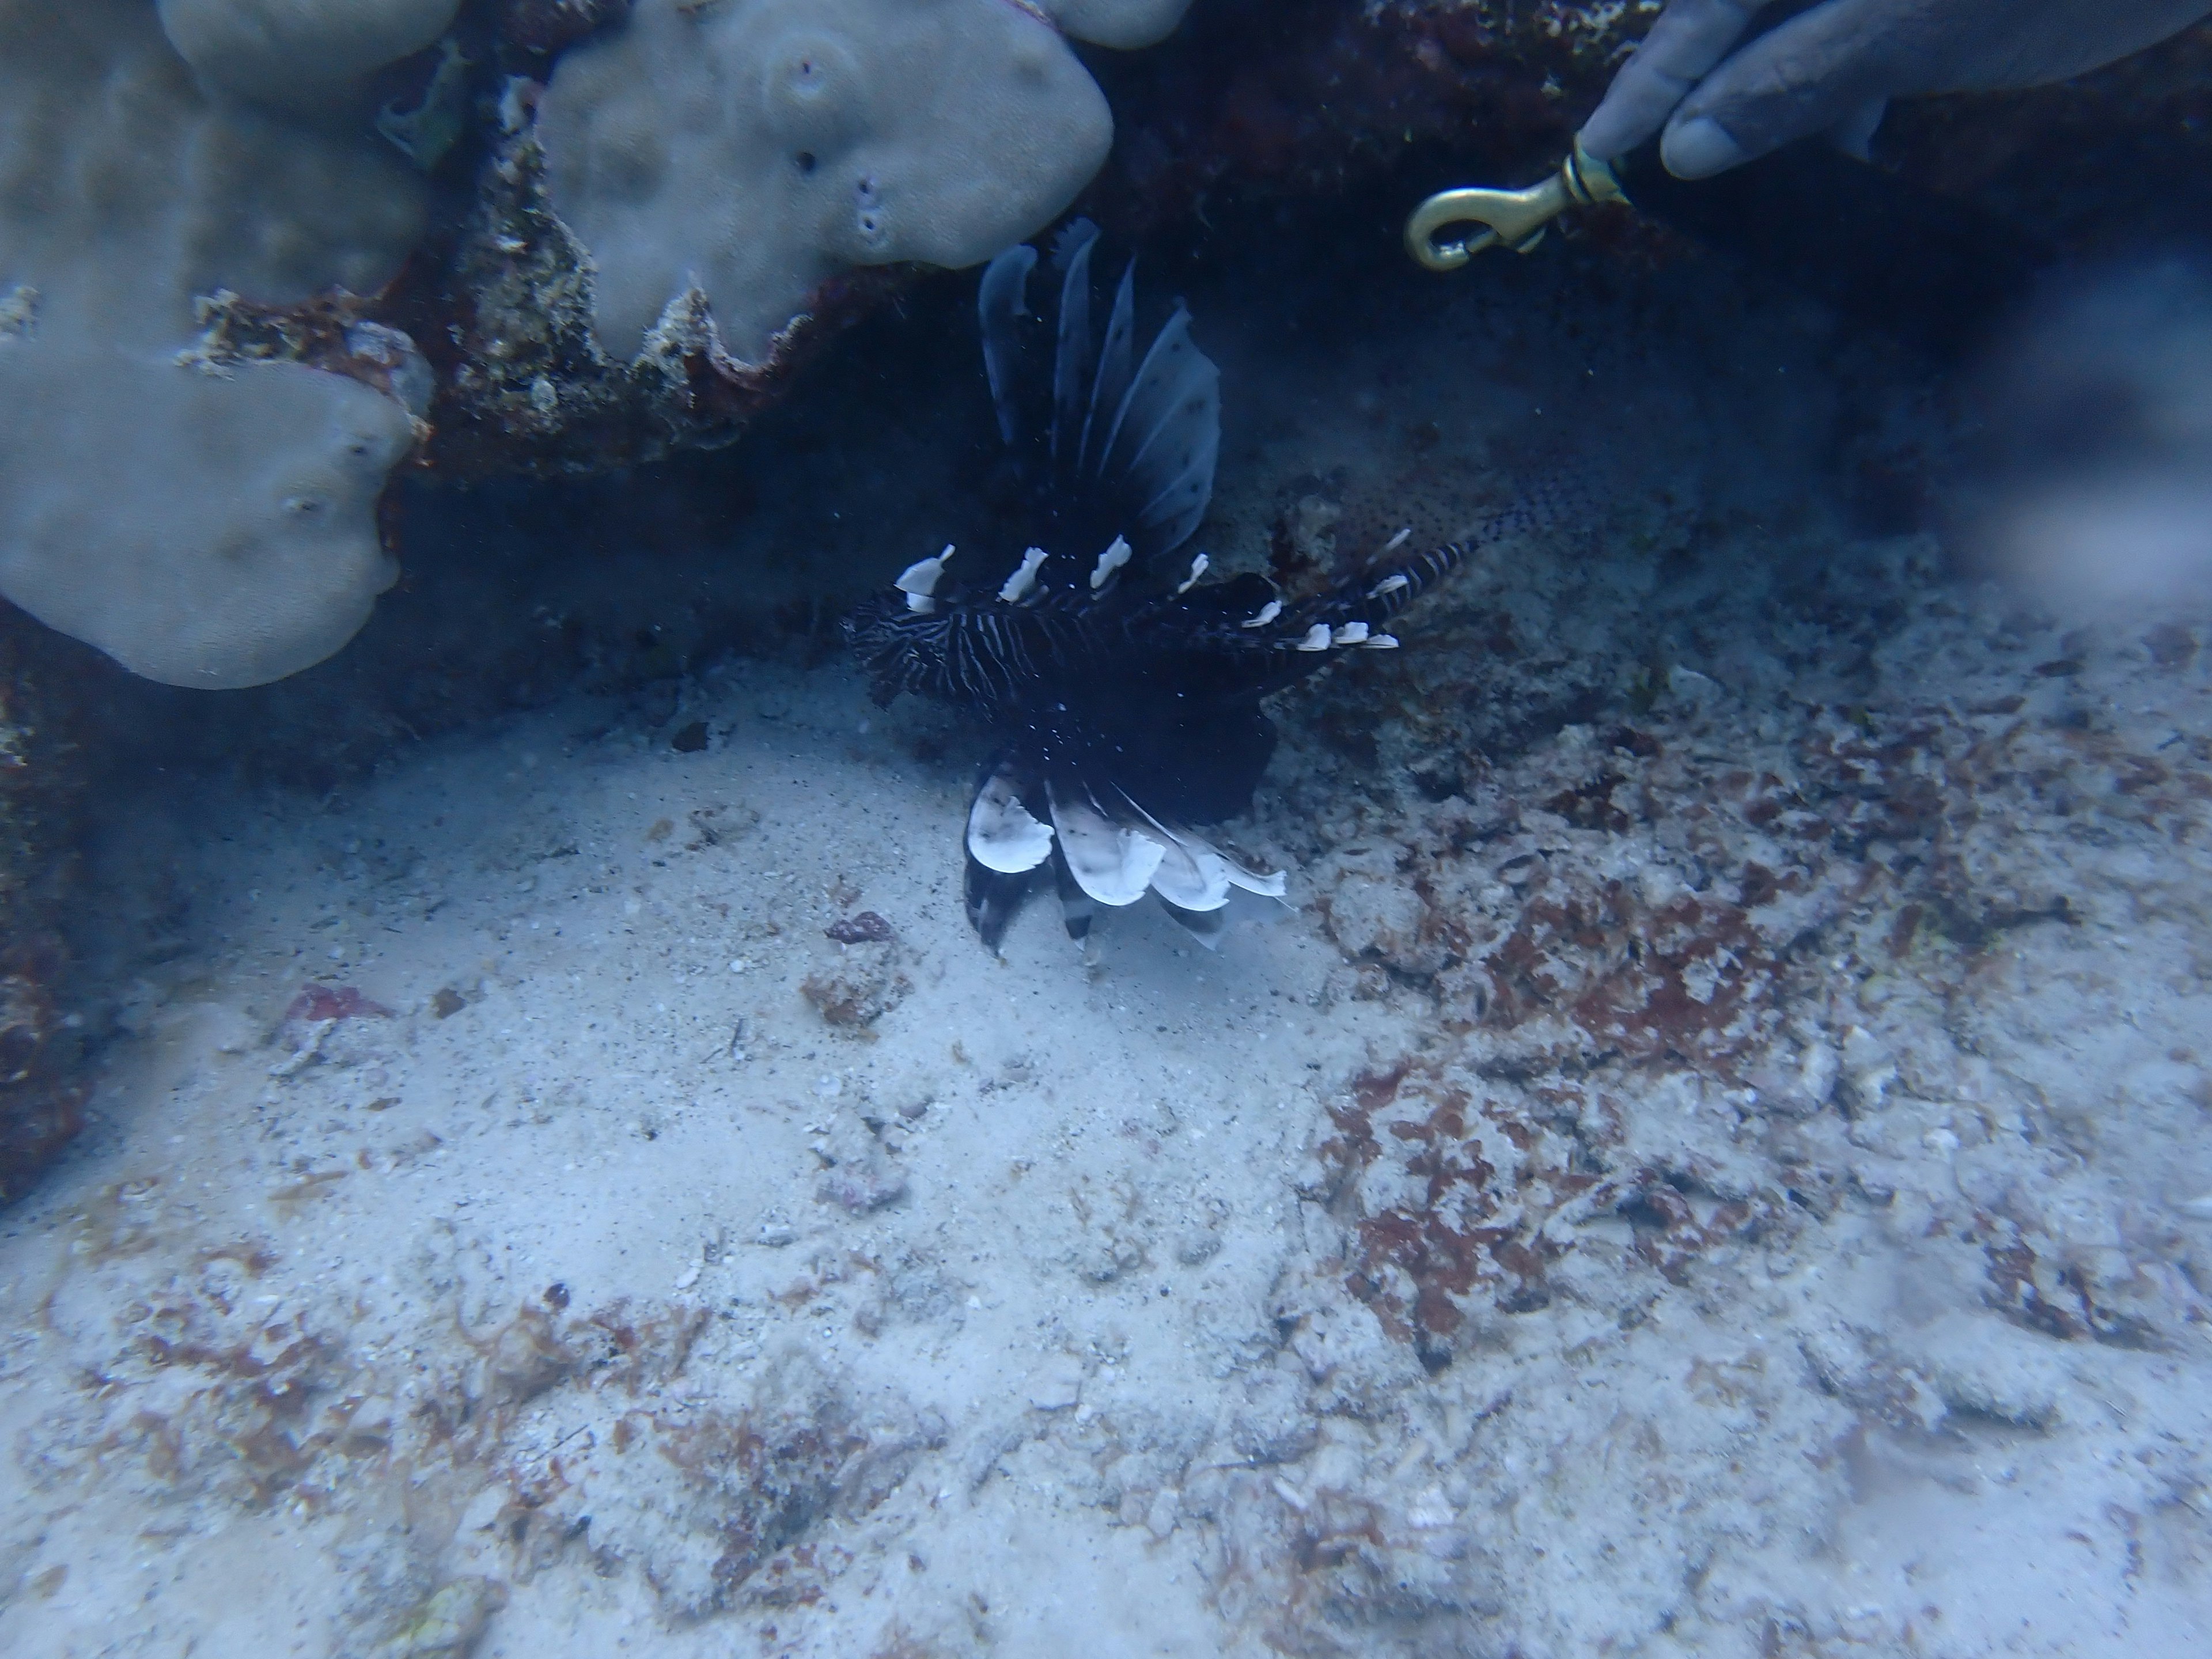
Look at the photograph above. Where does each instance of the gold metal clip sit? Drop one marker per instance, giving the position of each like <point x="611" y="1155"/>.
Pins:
<point x="1515" y="218"/>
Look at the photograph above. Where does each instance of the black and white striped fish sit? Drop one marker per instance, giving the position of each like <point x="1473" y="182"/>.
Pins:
<point x="1124" y="689"/>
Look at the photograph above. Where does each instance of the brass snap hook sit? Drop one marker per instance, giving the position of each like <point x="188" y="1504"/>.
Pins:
<point x="1514" y="218"/>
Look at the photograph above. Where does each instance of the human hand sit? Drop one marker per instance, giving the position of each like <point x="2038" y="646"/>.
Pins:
<point x="1833" y="67"/>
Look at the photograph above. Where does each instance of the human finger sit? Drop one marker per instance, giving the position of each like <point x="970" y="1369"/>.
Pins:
<point x="1820" y="68"/>
<point x="1690" y="37"/>
<point x="1807" y="75"/>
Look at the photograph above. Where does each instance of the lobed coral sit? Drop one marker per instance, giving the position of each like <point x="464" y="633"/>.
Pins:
<point x="750" y="151"/>
<point x="206" y="523"/>
<point x="285" y="189"/>
<point x="296" y="54"/>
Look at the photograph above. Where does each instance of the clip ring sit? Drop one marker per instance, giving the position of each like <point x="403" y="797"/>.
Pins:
<point x="1514" y="218"/>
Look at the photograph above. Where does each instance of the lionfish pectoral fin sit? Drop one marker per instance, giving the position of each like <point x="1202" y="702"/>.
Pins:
<point x="1112" y="863"/>
<point x="1273" y="884"/>
<point x="1192" y="874"/>
<point x="1112" y="383"/>
<point x="1003" y="297"/>
<point x="1077" y="908"/>
<point x="1206" y="927"/>
<point x="1003" y="835"/>
<point x="1072" y="360"/>
<point x="993" y="900"/>
<point x="1166" y="436"/>
<point x="1195" y="877"/>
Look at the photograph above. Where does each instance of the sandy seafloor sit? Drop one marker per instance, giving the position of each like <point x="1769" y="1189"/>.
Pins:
<point x="1714" y="1158"/>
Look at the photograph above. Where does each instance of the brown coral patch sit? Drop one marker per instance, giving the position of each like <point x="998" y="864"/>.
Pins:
<point x="336" y="332"/>
<point x="1453" y="1194"/>
<point x="778" y="1477"/>
<point x="1689" y="979"/>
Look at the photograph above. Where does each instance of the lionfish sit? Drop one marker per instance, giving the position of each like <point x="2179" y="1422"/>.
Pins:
<point x="1124" y="692"/>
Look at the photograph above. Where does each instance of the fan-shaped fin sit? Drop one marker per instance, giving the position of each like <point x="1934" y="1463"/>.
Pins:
<point x="1002" y="834"/>
<point x="1206" y="927"/>
<point x="1077" y="909"/>
<point x="993" y="900"/>
<point x="1071" y="363"/>
<point x="1180" y="505"/>
<point x="1213" y="865"/>
<point x="1271" y="885"/>
<point x="1111" y="384"/>
<point x="1003" y="297"/>
<point x="1192" y="874"/>
<point x="1166" y="436"/>
<point x="1069" y="239"/>
<point x="1112" y="863"/>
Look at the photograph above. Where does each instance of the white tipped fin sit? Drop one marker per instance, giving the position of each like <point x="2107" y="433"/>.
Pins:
<point x="1192" y="876"/>
<point x="1389" y="584"/>
<point x="1350" y="633"/>
<point x="1271" y="885"/>
<point x="1268" y="612"/>
<point x="919" y="580"/>
<point x="1019" y="586"/>
<point x="1397" y="542"/>
<point x="1206" y="927"/>
<point x="1381" y="642"/>
<point x="1110" y="560"/>
<point x="1197" y="569"/>
<point x="1316" y="638"/>
<point x="1113" y="865"/>
<point x="1195" y="875"/>
<point x="1001" y="833"/>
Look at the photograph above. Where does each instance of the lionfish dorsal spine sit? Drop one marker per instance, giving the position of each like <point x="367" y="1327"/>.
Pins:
<point x="1352" y="614"/>
<point x="1071" y="363"/>
<point x="1003" y="296"/>
<point x="1143" y="401"/>
<point x="1115" y="357"/>
<point x="1110" y="562"/>
<point x="1020" y="587"/>
<point x="1166" y="436"/>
